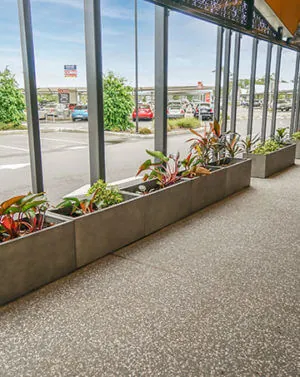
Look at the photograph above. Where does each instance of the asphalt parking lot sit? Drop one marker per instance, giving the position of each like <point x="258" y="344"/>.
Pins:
<point x="66" y="155"/>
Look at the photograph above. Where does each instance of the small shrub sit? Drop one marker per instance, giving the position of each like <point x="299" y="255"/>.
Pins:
<point x="268" y="147"/>
<point x="296" y="135"/>
<point x="11" y="126"/>
<point x="145" y="131"/>
<point x="184" y="123"/>
<point x="105" y="196"/>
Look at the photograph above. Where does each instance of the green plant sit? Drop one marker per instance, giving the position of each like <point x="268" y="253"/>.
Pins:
<point x="232" y="145"/>
<point x="12" y="104"/>
<point x="193" y="167"/>
<point x="22" y="215"/>
<point x="165" y="169"/>
<point x="11" y="126"/>
<point x="105" y="195"/>
<point x="145" y="131"/>
<point x="281" y="136"/>
<point x="78" y="207"/>
<point x="249" y="143"/>
<point x="184" y="123"/>
<point x="118" y="103"/>
<point x="268" y="147"/>
<point x="296" y="135"/>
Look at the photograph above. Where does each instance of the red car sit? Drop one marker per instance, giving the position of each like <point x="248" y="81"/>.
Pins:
<point x="144" y="112"/>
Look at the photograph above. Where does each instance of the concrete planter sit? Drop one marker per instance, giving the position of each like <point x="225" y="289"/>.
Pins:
<point x="37" y="259"/>
<point x="164" y="206"/>
<point x="265" y="165"/>
<point x="297" y="148"/>
<point x="107" y="230"/>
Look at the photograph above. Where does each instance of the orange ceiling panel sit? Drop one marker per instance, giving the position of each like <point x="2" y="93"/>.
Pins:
<point x="288" y="11"/>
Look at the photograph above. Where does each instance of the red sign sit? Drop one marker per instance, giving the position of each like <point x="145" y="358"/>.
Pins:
<point x="207" y="97"/>
<point x="63" y="91"/>
<point x="200" y="85"/>
<point x="70" y="70"/>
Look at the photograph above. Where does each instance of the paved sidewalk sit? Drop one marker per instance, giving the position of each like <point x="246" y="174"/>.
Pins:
<point x="216" y="294"/>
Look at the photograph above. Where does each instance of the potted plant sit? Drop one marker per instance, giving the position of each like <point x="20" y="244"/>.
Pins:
<point x="165" y="193"/>
<point x="271" y="156"/>
<point x="35" y="248"/>
<point x="105" y="220"/>
<point x="296" y="138"/>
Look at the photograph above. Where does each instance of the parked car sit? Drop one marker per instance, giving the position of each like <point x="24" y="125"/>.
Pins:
<point x="144" y="113"/>
<point x="256" y="103"/>
<point x="80" y="112"/>
<point x="51" y="109"/>
<point x="283" y="105"/>
<point x="175" y="110"/>
<point x="206" y="111"/>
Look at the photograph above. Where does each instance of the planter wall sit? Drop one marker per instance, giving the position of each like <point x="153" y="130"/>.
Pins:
<point x="107" y="230"/>
<point x="265" y="165"/>
<point x="238" y="175"/>
<point x="164" y="206"/>
<point x="297" y="148"/>
<point x="34" y="260"/>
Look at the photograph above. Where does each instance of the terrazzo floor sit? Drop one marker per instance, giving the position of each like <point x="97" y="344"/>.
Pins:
<point x="216" y="294"/>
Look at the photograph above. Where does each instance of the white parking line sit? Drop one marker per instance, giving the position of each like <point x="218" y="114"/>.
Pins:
<point x="64" y="140"/>
<point x="16" y="148"/>
<point x="75" y="148"/>
<point x="13" y="166"/>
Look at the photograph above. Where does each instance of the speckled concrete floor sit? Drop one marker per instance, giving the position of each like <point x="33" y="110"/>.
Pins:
<point x="216" y="294"/>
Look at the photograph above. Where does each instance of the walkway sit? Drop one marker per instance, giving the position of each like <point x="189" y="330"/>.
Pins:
<point x="216" y="294"/>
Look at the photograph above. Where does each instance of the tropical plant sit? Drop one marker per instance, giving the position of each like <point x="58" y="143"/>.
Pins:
<point x="201" y="146"/>
<point x="282" y="136"/>
<point x="22" y="215"/>
<point x="164" y="169"/>
<point x="118" y="103"/>
<point x="12" y="104"/>
<point x="193" y="167"/>
<point x="232" y="145"/>
<point x="249" y="143"/>
<point x="296" y="135"/>
<point x="105" y="196"/>
<point x="78" y="207"/>
<point x="268" y="147"/>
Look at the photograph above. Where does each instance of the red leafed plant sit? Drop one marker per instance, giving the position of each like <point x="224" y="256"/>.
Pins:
<point x="193" y="166"/>
<point x="165" y="170"/>
<point x="22" y="215"/>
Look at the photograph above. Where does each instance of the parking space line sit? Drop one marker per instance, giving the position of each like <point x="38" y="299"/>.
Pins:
<point x="64" y="141"/>
<point x="16" y="148"/>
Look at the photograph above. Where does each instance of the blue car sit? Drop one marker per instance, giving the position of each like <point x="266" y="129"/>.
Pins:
<point x="80" y="112"/>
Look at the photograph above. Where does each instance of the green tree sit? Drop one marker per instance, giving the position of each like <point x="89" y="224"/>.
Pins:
<point x="118" y="103"/>
<point x="12" y="104"/>
<point x="45" y="98"/>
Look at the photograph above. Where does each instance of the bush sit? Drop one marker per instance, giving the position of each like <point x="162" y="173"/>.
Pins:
<point x="184" y="123"/>
<point x="106" y="195"/>
<point x="145" y="131"/>
<point x="296" y="135"/>
<point x="11" y="126"/>
<point x="268" y="147"/>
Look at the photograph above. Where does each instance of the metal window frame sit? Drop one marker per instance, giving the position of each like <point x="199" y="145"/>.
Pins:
<point x="218" y="75"/>
<point x="93" y="47"/>
<point x="266" y="93"/>
<point x="24" y="10"/>
<point x="161" y="78"/>
<point x="295" y="92"/>
<point x="235" y="80"/>
<point x="276" y="90"/>
<point x="226" y="74"/>
<point x="136" y="66"/>
<point x="252" y="85"/>
<point x="297" y="113"/>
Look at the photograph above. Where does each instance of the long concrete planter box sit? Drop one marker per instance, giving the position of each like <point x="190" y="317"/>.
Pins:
<point x="107" y="230"/>
<point x="29" y="262"/>
<point x="297" y="148"/>
<point x="164" y="206"/>
<point x="265" y="165"/>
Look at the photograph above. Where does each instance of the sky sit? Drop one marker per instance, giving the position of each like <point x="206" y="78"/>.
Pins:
<point x="58" y="31"/>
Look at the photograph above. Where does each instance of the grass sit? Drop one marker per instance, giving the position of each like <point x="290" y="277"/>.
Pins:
<point x="174" y="124"/>
<point x="145" y="131"/>
<point x="10" y="126"/>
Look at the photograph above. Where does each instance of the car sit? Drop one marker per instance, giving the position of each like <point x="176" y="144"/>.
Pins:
<point x="50" y="109"/>
<point x="256" y="103"/>
<point x="144" y="112"/>
<point x="175" y="110"/>
<point x="283" y="105"/>
<point x="80" y="112"/>
<point x="206" y="111"/>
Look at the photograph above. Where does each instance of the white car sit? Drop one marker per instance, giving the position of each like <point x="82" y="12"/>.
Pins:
<point x="175" y="110"/>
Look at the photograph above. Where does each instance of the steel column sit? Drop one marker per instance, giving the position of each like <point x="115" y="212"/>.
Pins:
<point x="235" y="80"/>
<point x="276" y="89"/>
<point x="161" y="78"/>
<point x="31" y="95"/>
<point x="252" y="85"/>
<point x="226" y="79"/>
<point x="136" y="66"/>
<point x="292" y="125"/>
<point x="297" y="113"/>
<point x="218" y="73"/>
<point x="93" y="47"/>
<point x="266" y="93"/>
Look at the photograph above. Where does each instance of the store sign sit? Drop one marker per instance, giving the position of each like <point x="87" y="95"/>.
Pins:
<point x="207" y="97"/>
<point x="200" y="85"/>
<point x="64" y="98"/>
<point x="70" y="70"/>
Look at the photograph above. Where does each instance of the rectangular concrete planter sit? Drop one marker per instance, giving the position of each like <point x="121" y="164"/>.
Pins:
<point x="164" y="206"/>
<point x="265" y="165"/>
<point x="297" y="148"/>
<point x="34" y="260"/>
<point x="107" y="230"/>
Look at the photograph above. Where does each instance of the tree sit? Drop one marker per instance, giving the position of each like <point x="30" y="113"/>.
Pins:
<point x="118" y="103"/>
<point x="45" y="98"/>
<point x="12" y="104"/>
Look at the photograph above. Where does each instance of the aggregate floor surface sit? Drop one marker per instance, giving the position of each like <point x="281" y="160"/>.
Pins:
<point x="216" y="294"/>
